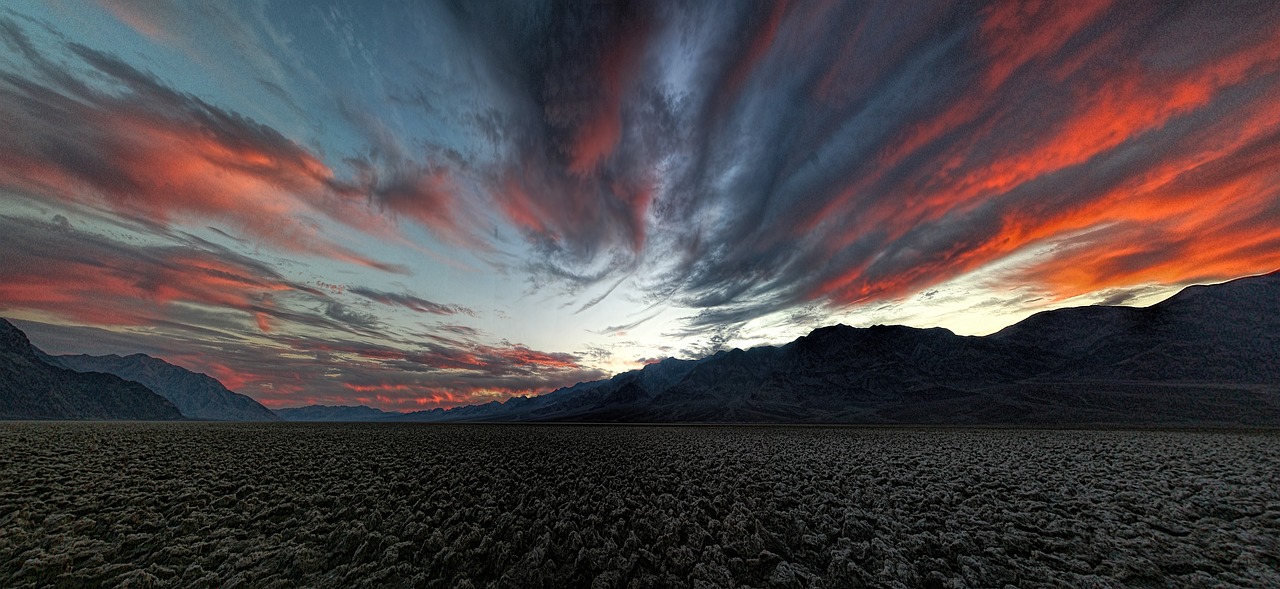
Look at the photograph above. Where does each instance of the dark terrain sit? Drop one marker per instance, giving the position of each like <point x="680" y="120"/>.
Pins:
<point x="33" y="389"/>
<point x="410" y="505"/>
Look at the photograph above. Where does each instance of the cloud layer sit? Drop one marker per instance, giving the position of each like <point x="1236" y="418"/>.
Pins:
<point x="215" y="311"/>
<point x="731" y="162"/>
<point x="744" y="158"/>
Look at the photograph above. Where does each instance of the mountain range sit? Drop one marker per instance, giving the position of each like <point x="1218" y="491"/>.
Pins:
<point x="35" y="385"/>
<point x="334" y="413"/>
<point x="196" y="395"/>
<point x="30" y="388"/>
<point x="1209" y="355"/>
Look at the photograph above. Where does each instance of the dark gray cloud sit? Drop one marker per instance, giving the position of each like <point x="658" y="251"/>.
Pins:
<point x="344" y="314"/>
<point x="409" y="301"/>
<point x="741" y="158"/>
<point x="747" y="158"/>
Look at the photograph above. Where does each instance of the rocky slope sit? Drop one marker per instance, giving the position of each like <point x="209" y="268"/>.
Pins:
<point x="197" y="396"/>
<point x="33" y="389"/>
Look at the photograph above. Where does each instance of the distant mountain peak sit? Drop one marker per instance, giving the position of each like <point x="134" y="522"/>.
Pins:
<point x="1209" y="355"/>
<point x="31" y="388"/>
<point x="13" y="338"/>
<point x="198" y="395"/>
<point x="333" y="413"/>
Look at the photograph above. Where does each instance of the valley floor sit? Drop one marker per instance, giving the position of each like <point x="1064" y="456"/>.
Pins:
<point x="387" y="505"/>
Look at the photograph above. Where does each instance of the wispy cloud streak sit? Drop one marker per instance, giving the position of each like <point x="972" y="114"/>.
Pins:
<point x="773" y="156"/>
<point x="738" y="166"/>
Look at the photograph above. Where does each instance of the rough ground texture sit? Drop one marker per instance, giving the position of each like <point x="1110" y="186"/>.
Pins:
<point x="386" y="505"/>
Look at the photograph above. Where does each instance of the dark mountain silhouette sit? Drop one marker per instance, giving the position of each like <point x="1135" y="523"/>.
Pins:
<point x="332" y="413"/>
<point x="197" y="396"/>
<point x="1226" y="333"/>
<point x="1208" y="355"/>
<point x="33" y="389"/>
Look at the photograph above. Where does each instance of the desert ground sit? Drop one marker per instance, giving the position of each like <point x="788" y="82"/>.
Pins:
<point x="413" y="505"/>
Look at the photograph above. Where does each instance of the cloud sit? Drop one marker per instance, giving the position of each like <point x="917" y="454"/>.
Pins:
<point x="493" y="361"/>
<point x="745" y="163"/>
<point x="340" y="312"/>
<point x="572" y="174"/>
<point x="141" y="149"/>
<point x="624" y="328"/>
<point x="736" y="159"/>
<point x="55" y="268"/>
<point x="412" y="375"/>
<point x="234" y="42"/>
<point x="409" y="301"/>
<point x="719" y="340"/>
<point x="282" y="369"/>
<point x="745" y="159"/>
<point x="175" y="279"/>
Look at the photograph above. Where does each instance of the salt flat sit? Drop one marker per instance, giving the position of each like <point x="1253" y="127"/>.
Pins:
<point x="387" y="505"/>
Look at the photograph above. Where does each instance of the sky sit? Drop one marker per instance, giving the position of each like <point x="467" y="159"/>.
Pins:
<point x="412" y="205"/>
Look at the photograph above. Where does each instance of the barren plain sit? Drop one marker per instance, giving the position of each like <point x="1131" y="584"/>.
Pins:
<point x="412" y="505"/>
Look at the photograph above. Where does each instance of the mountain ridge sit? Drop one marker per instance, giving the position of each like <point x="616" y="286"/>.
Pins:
<point x="30" y="388"/>
<point x="331" y="413"/>
<point x="1206" y="355"/>
<point x="195" y="394"/>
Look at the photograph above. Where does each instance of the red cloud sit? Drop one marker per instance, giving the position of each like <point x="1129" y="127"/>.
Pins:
<point x="1017" y="33"/>
<point x="103" y="282"/>
<point x="757" y="48"/>
<point x="152" y="153"/>
<point x="1113" y="105"/>
<point x="329" y="371"/>
<point x="572" y="211"/>
<point x="417" y="397"/>
<point x="597" y="137"/>
<point x="487" y="359"/>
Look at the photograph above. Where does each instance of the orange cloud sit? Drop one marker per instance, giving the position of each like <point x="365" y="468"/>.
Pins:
<point x="1017" y="33"/>
<point x="992" y="164"/>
